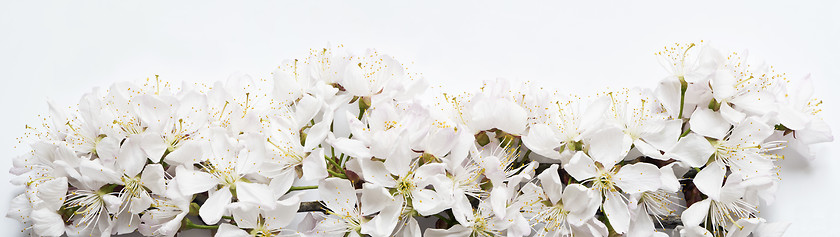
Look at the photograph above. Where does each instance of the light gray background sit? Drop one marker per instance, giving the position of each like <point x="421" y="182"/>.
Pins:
<point x="59" y="50"/>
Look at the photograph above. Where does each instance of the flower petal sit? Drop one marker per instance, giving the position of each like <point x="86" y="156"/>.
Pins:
<point x="637" y="178"/>
<point x="710" y="179"/>
<point x="338" y="195"/>
<point x="771" y="229"/>
<point x="427" y="202"/>
<point x="152" y="178"/>
<point x="542" y="140"/>
<point x="189" y="153"/>
<point x="383" y="223"/>
<point x="215" y="206"/>
<point x="608" y="146"/>
<point x="617" y="212"/>
<point x="314" y="166"/>
<point x="454" y="231"/>
<point x="255" y="193"/>
<point x="693" y="150"/>
<point x="580" y="202"/>
<point x="283" y="214"/>
<point x="581" y="167"/>
<point x="731" y="115"/>
<point x="708" y="123"/>
<point x="374" y="198"/>
<point x="228" y="230"/>
<point x="375" y="172"/>
<point x="192" y="182"/>
<point x="695" y="214"/>
<point x="47" y="223"/>
<point x="52" y="193"/>
<point x="551" y="183"/>
<point x="351" y="147"/>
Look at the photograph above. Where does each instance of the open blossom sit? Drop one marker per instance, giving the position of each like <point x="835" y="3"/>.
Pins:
<point x="354" y="140"/>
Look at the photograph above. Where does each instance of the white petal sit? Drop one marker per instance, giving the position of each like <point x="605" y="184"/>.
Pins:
<point x="543" y="140"/>
<point x="580" y="202"/>
<point x="641" y="225"/>
<point x="47" y="223"/>
<point x="108" y="148"/>
<point x="140" y="204"/>
<point x="213" y="209"/>
<point x="693" y="150"/>
<point x="228" y="230"/>
<point x="314" y="166"/>
<point x="816" y="132"/>
<point x="153" y="112"/>
<point x="510" y="117"/>
<point x="153" y="146"/>
<point x="744" y="227"/>
<point x="425" y="174"/>
<point x="351" y="147"/>
<point x="637" y="178"/>
<point x="152" y="178"/>
<point x="454" y="231"/>
<point x="708" y="123"/>
<point x="731" y="115"/>
<point x="374" y="198"/>
<point x="131" y="158"/>
<point x="189" y="153"/>
<point x="750" y="132"/>
<point x="581" y="167"/>
<point x="286" y="88"/>
<point x="383" y="223"/>
<point x="669" y="179"/>
<point x="668" y="92"/>
<point x="94" y="170"/>
<point x="695" y="231"/>
<point x="695" y="214"/>
<point x="283" y="214"/>
<point x="52" y="193"/>
<point x="617" y="212"/>
<point x="255" y="193"/>
<point x="246" y="215"/>
<point x="192" y="182"/>
<point x="498" y="200"/>
<point x="20" y="208"/>
<point x="710" y="179"/>
<point x="551" y="183"/>
<point x="666" y="138"/>
<point x="281" y="183"/>
<point x="411" y="229"/>
<point x="316" y="135"/>
<point x="723" y="85"/>
<point x="375" y="172"/>
<point x="594" y="114"/>
<point x="427" y="202"/>
<point x="338" y="195"/>
<point x="757" y="102"/>
<point x="771" y="229"/>
<point x="608" y="146"/>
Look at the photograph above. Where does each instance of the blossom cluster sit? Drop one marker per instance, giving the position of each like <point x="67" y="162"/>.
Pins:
<point x="385" y="154"/>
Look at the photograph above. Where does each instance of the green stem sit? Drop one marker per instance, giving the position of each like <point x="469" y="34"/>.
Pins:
<point x="336" y="174"/>
<point x="296" y="188"/>
<point x="332" y="160"/>
<point x="188" y="224"/>
<point x="685" y="133"/>
<point x="227" y="217"/>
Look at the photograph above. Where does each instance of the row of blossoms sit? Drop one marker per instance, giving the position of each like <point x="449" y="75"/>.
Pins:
<point x="386" y="155"/>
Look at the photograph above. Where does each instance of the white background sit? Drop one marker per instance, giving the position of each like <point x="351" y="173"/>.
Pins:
<point x="59" y="50"/>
